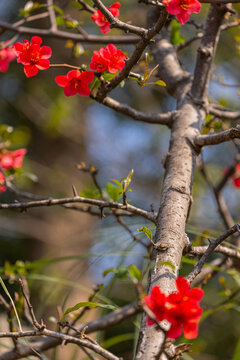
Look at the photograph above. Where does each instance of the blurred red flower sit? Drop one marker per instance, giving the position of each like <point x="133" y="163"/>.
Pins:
<point x="75" y="82"/>
<point x="182" y="8"/>
<point x="6" y="55"/>
<point x="100" y="19"/>
<point x="108" y="58"/>
<point x="32" y="55"/>
<point x="236" y="176"/>
<point x="12" y="159"/>
<point x="2" y="187"/>
<point x="181" y="308"/>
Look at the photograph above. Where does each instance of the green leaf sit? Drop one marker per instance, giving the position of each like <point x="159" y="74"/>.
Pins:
<point x="168" y="263"/>
<point x="217" y="126"/>
<point x="121" y="272"/>
<point x="108" y="76"/>
<point x="113" y="192"/>
<point x="135" y="273"/>
<point x="236" y="355"/>
<point x="118" y="183"/>
<point x="147" y="232"/>
<point x="108" y="271"/>
<point x="128" y="180"/>
<point x="90" y="193"/>
<point x="60" y="20"/>
<point x="58" y="9"/>
<point x="175" y="36"/>
<point x="90" y="305"/>
<point x="159" y="82"/>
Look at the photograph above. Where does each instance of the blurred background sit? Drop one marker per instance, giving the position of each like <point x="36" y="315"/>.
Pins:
<point x="60" y="133"/>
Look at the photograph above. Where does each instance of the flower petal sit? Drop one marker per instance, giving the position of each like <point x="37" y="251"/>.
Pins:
<point x="73" y="74"/>
<point x="182" y="285"/>
<point x="43" y="64"/>
<point x="61" y="80"/>
<point x="30" y="70"/>
<point x="87" y="77"/>
<point x="45" y="52"/>
<point x="83" y="89"/>
<point x="36" y="40"/>
<point x="70" y="89"/>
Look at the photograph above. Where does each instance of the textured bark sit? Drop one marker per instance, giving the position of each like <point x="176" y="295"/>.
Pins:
<point x="176" y="195"/>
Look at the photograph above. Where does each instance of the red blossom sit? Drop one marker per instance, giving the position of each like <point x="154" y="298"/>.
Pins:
<point x="182" y="8"/>
<point x="100" y="19"/>
<point x="12" y="159"/>
<point x="6" y="56"/>
<point x="156" y="302"/>
<point x="32" y="55"/>
<point x="109" y="58"/>
<point x="75" y="82"/>
<point x="236" y="176"/>
<point x="2" y="187"/>
<point x="181" y="308"/>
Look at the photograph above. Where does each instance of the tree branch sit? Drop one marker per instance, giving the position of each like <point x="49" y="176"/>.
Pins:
<point x="212" y="246"/>
<point x="224" y="113"/>
<point x="200" y="250"/>
<point x="218" y="138"/>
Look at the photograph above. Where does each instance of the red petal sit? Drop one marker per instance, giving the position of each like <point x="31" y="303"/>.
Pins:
<point x="182" y="285"/>
<point x="43" y="64"/>
<point x="30" y="70"/>
<point x="36" y="40"/>
<point x="45" y="52"/>
<point x="175" y="330"/>
<point x="61" y="80"/>
<point x="111" y="49"/>
<point x="190" y="330"/>
<point x="196" y="293"/>
<point x="87" y="77"/>
<point x="73" y="74"/>
<point x="105" y="28"/>
<point x="18" y="47"/>
<point x="236" y="182"/>
<point x="70" y="90"/>
<point x="83" y="89"/>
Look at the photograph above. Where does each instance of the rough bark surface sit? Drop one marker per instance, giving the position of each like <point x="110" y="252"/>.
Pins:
<point x="176" y="195"/>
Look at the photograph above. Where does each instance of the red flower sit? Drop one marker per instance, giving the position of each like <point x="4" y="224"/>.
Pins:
<point x="2" y="187"/>
<point x="100" y="19"/>
<point x="32" y="56"/>
<point x="76" y="82"/>
<point x="6" y="55"/>
<point x="156" y="303"/>
<point x="108" y="58"/>
<point x="12" y="159"/>
<point x="182" y="8"/>
<point x="183" y="310"/>
<point x="236" y="176"/>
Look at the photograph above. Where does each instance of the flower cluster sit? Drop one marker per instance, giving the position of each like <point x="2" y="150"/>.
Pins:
<point x="181" y="309"/>
<point x="236" y="176"/>
<point x="75" y="82"/>
<point x="10" y="160"/>
<point x="100" y="19"/>
<point x="32" y="55"/>
<point x="6" y="56"/>
<point x="182" y="8"/>
<point x="109" y="58"/>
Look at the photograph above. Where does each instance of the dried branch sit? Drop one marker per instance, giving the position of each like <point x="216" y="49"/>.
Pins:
<point x="52" y="15"/>
<point x="78" y="199"/>
<point x="162" y="119"/>
<point x="200" y="250"/>
<point x="224" y="113"/>
<point x="218" y="138"/>
<point x="212" y="246"/>
<point x="64" y="35"/>
<point x="116" y="23"/>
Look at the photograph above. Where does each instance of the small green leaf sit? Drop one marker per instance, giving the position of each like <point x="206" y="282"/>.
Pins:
<point x="60" y="20"/>
<point x="108" y="271"/>
<point x="58" y="9"/>
<point x="147" y="232"/>
<point x="168" y="263"/>
<point x="159" y="82"/>
<point x="108" y="76"/>
<point x="128" y="179"/>
<point x="118" y="183"/>
<point x="135" y="273"/>
<point x="175" y="36"/>
<point x="217" y="126"/>
<point x="113" y="192"/>
<point x="121" y="272"/>
<point x="90" y="305"/>
<point x="90" y="193"/>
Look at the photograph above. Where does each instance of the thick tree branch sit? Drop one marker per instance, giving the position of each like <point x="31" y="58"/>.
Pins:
<point x="200" y="250"/>
<point x="218" y="138"/>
